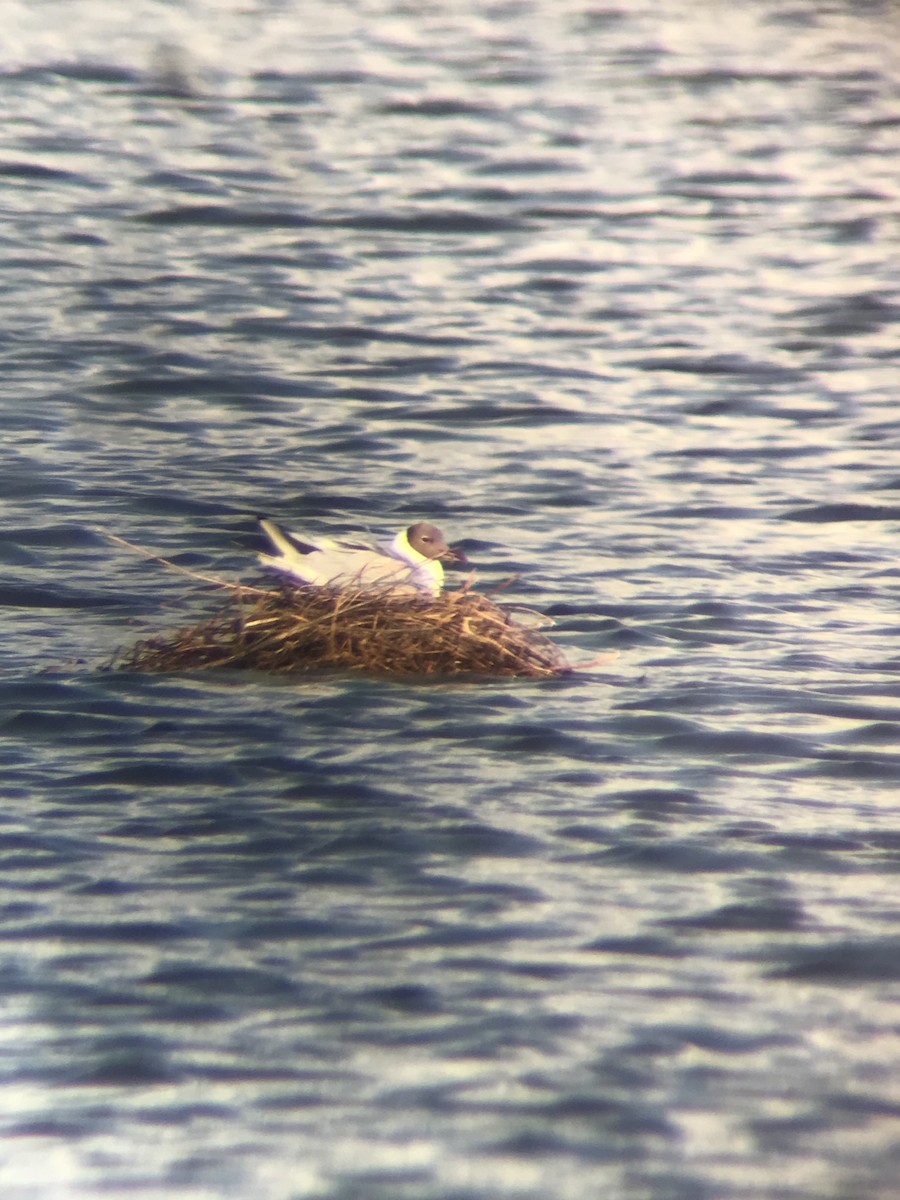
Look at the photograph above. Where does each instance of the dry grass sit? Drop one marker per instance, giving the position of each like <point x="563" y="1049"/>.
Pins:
<point x="314" y="629"/>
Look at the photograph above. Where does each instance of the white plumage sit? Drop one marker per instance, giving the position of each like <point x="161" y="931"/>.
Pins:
<point x="410" y="563"/>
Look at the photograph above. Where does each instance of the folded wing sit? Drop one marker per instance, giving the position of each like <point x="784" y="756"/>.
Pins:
<point x="324" y="562"/>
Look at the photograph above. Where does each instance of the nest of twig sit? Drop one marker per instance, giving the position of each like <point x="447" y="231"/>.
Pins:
<point x="315" y="629"/>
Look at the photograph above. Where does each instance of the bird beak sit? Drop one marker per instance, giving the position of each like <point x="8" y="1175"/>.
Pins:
<point x="451" y="555"/>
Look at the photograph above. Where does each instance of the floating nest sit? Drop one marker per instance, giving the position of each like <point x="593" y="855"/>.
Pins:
<point x="315" y="629"/>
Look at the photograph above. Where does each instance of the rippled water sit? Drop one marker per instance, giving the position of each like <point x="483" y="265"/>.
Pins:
<point x="610" y="292"/>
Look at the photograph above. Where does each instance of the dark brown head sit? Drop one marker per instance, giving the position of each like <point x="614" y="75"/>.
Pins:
<point x="429" y="541"/>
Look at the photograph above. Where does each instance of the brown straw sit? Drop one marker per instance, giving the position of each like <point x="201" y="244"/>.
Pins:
<point x="384" y="631"/>
<point x="314" y="629"/>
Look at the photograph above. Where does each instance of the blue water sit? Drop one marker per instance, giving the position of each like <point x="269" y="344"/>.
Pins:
<point x="610" y="294"/>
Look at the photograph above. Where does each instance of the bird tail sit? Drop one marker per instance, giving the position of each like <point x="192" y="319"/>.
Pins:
<point x="277" y="536"/>
<point x="290" y="555"/>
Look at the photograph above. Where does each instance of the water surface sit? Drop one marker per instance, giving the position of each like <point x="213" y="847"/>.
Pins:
<point x="610" y="294"/>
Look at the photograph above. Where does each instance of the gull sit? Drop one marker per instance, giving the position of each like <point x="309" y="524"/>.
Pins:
<point x="409" y="563"/>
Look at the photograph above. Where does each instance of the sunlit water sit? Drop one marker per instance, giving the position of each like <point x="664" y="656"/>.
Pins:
<point x="610" y="293"/>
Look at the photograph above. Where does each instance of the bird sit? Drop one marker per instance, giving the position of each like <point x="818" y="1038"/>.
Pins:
<point x="411" y="563"/>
